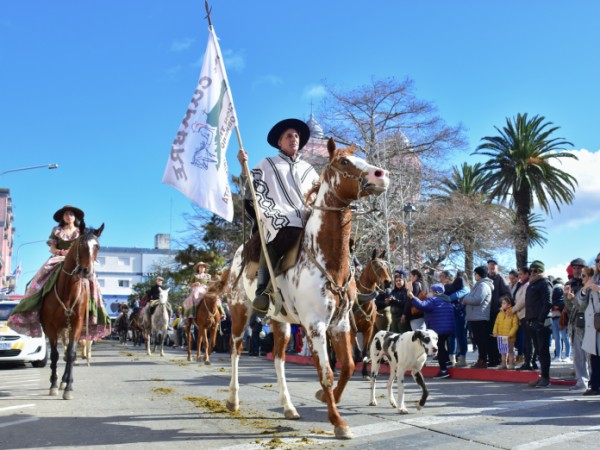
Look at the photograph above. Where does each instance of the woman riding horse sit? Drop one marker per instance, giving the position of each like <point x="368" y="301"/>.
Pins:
<point x="25" y="318"/>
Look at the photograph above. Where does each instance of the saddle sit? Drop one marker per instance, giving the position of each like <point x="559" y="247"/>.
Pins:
<point x="284" y="240"/>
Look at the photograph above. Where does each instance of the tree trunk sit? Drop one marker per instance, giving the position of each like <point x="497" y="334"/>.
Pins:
<point x="522" y="239"/>
<point x="469" y="262"/>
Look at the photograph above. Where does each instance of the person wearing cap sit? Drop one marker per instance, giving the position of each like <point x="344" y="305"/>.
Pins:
<point x="25" y="318"/>
<point x="500" y="290"/>
<point x="439" y="317"/>
<point x="477" y="310"/>
<point x="280" y="183"/>
<point x="575" y="333"/>
<point x="154" y="295"/>
<point x="538" y="303"/>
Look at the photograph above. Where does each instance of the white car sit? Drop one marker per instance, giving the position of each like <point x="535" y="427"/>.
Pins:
<point x="16" y="347"/>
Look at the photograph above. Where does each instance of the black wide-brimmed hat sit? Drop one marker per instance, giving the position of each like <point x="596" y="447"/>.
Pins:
<point x="58" y="215"/>
<point x="280" y="127"/>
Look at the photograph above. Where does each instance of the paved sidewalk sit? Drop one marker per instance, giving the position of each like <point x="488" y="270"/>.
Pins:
<point x="561" y="372"/>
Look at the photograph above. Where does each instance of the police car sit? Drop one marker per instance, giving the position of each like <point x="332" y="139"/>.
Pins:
<point x="16" y="347"/>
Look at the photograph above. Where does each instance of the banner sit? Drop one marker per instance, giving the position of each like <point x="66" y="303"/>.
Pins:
<point x="197" y="165"/>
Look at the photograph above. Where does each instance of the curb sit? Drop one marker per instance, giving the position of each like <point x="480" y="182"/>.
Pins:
<point x="503" y="376"/>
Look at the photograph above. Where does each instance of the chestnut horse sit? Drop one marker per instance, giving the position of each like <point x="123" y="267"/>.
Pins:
<point x="318" y="290"/>
<point x="373" y="279"/>
<point x="207" y="321"/>
<point x="66" y="305"/>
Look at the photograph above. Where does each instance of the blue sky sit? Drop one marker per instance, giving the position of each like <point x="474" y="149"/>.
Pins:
<point x="100" y="88"/>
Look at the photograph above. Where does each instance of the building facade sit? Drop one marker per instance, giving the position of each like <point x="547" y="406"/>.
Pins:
<point x="6" y="237"/>
<point x="118" y="269"/>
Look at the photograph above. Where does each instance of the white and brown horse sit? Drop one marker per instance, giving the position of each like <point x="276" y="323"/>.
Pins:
<point x="318" y="291"/>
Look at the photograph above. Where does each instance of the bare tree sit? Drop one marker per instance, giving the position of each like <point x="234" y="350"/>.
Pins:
<point x="398" y="132"/>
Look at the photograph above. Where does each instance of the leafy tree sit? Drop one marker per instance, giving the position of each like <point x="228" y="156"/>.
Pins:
<point x="520" y="171"/>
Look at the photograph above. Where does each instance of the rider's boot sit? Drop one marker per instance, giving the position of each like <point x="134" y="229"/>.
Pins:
<point x="260" y="304"/>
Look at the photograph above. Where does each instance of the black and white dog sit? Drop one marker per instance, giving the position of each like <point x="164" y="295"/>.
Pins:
<point x="407" y="351"/>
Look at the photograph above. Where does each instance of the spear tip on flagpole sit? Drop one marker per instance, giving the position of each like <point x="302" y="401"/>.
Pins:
<point x="208" y="11"/>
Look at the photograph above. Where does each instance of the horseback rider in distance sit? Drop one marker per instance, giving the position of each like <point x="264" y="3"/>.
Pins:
<point x="281" y="183"/>
<point x="154" y="295"/>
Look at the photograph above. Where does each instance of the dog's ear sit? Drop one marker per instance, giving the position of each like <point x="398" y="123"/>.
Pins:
<point x="417" y="335"/>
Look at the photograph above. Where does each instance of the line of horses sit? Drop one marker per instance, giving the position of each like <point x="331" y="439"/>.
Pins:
<point x="318" y="292"/>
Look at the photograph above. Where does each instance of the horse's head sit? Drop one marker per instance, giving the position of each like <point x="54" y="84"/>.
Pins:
<point x="163" y="296"/>
<point x="83" y="253"/>
<point x="352" y="177"/>
<point x="376" y="272"/>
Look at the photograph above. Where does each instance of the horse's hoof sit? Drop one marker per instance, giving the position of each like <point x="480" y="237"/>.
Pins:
<point x="343" y="432"/>
<point x="403" y="411"/>
<point x="319" y="395"/>
<point x="291" y="414"/>
<point x="63" y="386"/>
<point x="53" y="392"/>
<point x="373" y="403"/>
<point x="68" y="395"/>
<point x="189" y="358"/>
<point x="231" y="406"/>
<point x="207" y="363"/>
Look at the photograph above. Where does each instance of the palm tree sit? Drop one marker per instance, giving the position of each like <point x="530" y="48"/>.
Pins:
<point x="465" y="188"/>
<point x="520" y="170"/>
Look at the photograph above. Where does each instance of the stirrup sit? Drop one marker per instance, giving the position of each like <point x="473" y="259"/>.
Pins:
<point x="260" y="304"/>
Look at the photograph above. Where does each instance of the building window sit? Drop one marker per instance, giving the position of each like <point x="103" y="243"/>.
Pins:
<point x="123" y="261"/>
<point x="101" y="260"/>
<point x="124" y="283"/>
<point x="101" y="282"/>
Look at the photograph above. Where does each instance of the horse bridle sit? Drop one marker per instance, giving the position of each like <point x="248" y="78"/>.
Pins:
<point x="362" y="183"/>
<point x="77" y="267"/>
<point x="376" y="269"/>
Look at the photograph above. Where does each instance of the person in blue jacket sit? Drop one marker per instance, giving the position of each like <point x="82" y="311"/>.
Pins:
<point x="439" y="317"/>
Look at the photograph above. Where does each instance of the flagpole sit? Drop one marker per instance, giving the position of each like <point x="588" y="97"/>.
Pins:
<point x="245" y="168"/>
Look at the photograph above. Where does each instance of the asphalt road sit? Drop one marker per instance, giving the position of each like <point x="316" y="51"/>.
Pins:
<point x="128" y="400"/>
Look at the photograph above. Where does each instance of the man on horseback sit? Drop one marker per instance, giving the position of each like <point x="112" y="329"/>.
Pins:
<point x="154" y="295"/>
<point x="281" y="183"/>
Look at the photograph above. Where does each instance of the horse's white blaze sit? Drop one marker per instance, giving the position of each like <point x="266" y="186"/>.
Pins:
<point x="92" y="244"/>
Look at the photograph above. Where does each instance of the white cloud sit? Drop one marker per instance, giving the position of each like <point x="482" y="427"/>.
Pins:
<point x="314" y="91"/>
<point x="173" y="70"/>
<point x="234" y="60"/>
<point x="270" y="80"/>
<point x="183" y="44"/>
<point x="558" y="270"/>
<point x="586" y="204"/>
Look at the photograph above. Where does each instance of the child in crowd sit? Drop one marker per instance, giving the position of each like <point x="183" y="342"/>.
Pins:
<point x="505" y="329"/>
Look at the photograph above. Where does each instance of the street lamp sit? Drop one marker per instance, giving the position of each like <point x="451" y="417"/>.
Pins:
<point x="49" y="166"/>
<point x="408" y="210"/>
<point x="15" y="279"/>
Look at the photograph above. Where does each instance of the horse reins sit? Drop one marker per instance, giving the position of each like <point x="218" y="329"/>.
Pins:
<point x="69" y="311"/>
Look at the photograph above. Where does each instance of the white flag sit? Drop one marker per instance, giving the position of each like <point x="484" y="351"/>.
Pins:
<point x="197" y="165"/>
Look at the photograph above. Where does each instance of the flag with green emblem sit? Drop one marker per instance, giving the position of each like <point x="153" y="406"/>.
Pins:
<point x="197" y="165"/>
